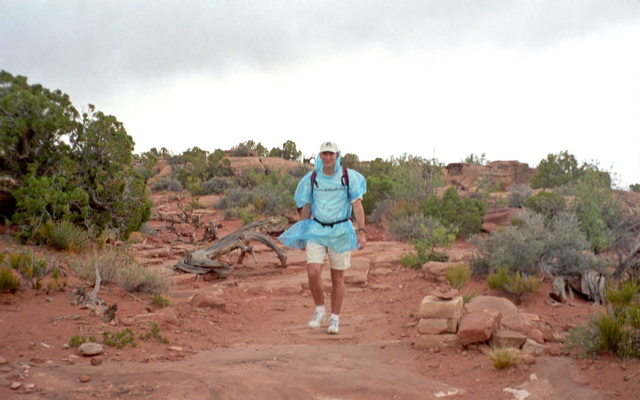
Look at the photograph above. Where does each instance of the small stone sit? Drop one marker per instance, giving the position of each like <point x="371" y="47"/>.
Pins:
<point x="15" y="385"/>
<point x="96" y="361"/>
<point x="175" y="348"/>
<point x="90" y="349"/>
<point x="50" y="299"/>
<point x="3" y="361"/>
<point x="84" y="378"/>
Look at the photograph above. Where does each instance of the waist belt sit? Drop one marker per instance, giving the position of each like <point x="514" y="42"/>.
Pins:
<point x="331" y="224"/>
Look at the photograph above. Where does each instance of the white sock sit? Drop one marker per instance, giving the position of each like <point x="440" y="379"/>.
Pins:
<point x="320" y="308"/>
<point x="335" y="317"/>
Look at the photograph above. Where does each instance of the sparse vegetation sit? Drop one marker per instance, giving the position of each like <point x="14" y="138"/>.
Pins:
<point x="160" y="300"/>
<point x="457" y="275"/>
<point x="518" y="195"/>
<point x="513" y="284"/>
<point x="505" y="357"/>
<point x="32" y="269"/>
<point x="8" y="281"/>
<point x="64" y="235"/>
<point x="119" y="339"/>
<point x="154" y="333"/>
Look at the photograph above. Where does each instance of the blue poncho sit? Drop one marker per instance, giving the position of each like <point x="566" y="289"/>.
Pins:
<point x="330" y="203"/>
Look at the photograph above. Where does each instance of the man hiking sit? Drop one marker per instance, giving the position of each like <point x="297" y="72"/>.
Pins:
<point x="326" y="198"/>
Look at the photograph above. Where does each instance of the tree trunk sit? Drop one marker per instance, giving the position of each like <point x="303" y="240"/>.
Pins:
<point x="205" y="261"/>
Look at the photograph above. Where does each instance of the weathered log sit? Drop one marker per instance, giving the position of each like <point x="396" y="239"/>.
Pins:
<point x="206" y="260"/>
<point x="631" y="262"/>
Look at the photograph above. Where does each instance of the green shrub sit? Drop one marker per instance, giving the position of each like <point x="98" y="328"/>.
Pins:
<point x="160" y="300"/>
<point x="518" y="195"/>
<point x="217" y="185"/>
<point x="32" y="270"/>
<point x="235" y="198"/>
<point x="299" y="171"/>
<point x="77" y="340"/>
<point x="8" y="281"/>
<point x="583" y="339"/>
<point x="556" y="170"/>
<point x="634" y="187"/>
<point x="154" y="333"/>
<point x="622" y="296"/>
<point x="513" y="284"/>
<point x="169" y="184"/>
<point x="65" y="235"/>
<point x="463" y="214"/>
<point x="425" y="248"/>
<point x="247" y="215"/>
<point x="532" y="246"/>
<point x="119" y="339"/>
<point x="457" y="275"/>
<point x="548" y="204"/>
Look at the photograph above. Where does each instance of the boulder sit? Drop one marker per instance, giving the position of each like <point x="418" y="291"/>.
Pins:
<point x="90" y="349"/>
<point x="478" y="327"/>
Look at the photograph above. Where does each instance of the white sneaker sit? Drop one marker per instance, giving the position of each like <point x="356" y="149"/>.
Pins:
<point x="333" y="326"/>
<point x="318" y="318"/>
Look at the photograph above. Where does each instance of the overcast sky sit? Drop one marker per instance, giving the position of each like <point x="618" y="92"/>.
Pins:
<point x="515" y="80"/>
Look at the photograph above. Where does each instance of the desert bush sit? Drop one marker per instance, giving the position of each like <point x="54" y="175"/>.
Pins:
<point x="8" y="281"/>
<point x="154" y="333"/>
<point x="241" y="151"/>
<point x="546" y="203"/>
<point x="634" y="187"/>
<point x="119" y="339"/>
<point x="299" y="171"/>
<point x="217" y="185"/>
<point x="505" y="357"/>
<point x="615" y="330"/>
<point x="235" y="198"/>
<point x="463" y="214"/>
<point x="513" y="284"/>
<point x="169" y="184"/>
<point x="119" y="268"/>
<point x="160" y="300"/>
<point x="518" y="194"/>
<point x="425" y="248"/>
<point x="136" y="278"/>
<point x="250" y="179"/>
<point x="65" y="235"/>
<point x="405" y="227"/>
<point x="230" y="214"/>
<point x="32" y="269"/>
<point x="533" y="245"/>
<point x="518" y="248"/>
<point x="457" y="275"/>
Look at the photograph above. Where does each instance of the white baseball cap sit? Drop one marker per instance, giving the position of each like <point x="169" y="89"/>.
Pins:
<point x="329" y="146"/>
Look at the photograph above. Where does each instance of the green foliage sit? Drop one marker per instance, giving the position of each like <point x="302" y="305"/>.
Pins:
<point x="160" y="300"/>
<point x="513" y="284"/>
<point x="518" y="195"/>
<point x="32" y="269"/>
<point x="138" y="279"/>
<point x="217" y="185"/>
<point x="8" y="281"/>
<point x="533" y="246"/>
<point x="463" y="214"/>
<point x="350" y="160"/>
<point x="78" y="340"/>
<point x="615" y="330"/>
<point x="69" y="166"/>
<point x="247" y="215"/>
<point x="599" y="212"/>
<point x="622" y="296"/>
<point x="299" y="171"/>
<point x="169" y="184"/>
<point x="289" y="151"/>
<point x="425" y="247"/>
<point x="556" y="170"/>
<point x="635" y="187"/>
<point x="477" y="160"/>
<point x="457" y="275"/>
<point x="546" y="203"/>
<point x="250" y="179"/>
<point x="154" y="334"/>
<point x="379" y="188"/>
<point x="64" y="235"/>
<point x="119" y="339"/>
<point x="250" y="145"/>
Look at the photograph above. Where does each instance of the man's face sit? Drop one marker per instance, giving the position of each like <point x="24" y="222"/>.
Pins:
<point x="328" y="158"/>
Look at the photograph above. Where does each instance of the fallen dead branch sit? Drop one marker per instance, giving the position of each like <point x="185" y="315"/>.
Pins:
<point x="206" y="260"/>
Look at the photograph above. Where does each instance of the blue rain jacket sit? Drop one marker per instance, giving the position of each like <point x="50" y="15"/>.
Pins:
<point x="330" y="203"/>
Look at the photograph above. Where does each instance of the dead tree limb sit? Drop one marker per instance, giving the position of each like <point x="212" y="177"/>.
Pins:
<point x="207" y="260"/>
<point x="632" y="258"/>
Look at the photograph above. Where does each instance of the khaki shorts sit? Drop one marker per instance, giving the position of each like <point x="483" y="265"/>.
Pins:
<point x="317" y="253"/>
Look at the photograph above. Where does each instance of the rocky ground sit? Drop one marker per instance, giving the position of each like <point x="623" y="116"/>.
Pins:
<point x="245" y="337"/>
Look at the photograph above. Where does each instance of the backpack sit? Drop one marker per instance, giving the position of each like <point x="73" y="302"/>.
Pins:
<point x="345" y="179"/>
<point x="345" y="182"/>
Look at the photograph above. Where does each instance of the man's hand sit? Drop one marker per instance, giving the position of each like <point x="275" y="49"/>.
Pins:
<point x="362" y="239"/>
